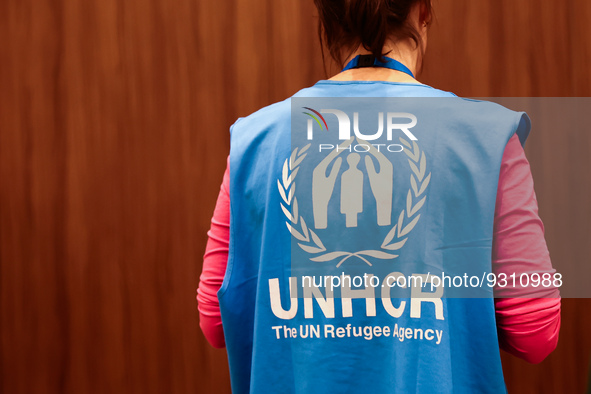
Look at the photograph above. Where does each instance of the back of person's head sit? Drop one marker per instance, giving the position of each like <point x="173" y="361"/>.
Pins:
<point x="344" y="25"/>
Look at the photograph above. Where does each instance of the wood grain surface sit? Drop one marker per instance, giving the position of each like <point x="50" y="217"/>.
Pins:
<point x="114" y="120"/>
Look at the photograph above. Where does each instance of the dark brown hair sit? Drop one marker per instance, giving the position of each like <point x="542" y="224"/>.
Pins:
<point x="345" y="24"/>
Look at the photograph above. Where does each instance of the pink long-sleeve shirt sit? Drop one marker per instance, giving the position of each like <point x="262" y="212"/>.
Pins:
<point x="527" y="327"/>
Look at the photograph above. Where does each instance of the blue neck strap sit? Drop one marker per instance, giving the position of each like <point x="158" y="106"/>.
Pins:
<point x="370" y="61"/>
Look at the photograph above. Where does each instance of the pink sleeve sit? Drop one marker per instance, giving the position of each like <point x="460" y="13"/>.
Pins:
<point x="214" y="267"/>
<point x="528" y="321"/>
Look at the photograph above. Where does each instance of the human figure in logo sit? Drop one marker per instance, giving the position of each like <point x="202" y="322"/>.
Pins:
<point x="323" y="185"/>
<point x="352" y="191"/>
<point x="381" y="182"/>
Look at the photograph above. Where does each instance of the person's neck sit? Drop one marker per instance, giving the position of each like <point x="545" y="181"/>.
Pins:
<point x="403" y="51"/>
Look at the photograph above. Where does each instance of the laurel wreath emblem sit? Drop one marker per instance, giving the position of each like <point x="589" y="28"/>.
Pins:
<point x="311" y="243"/>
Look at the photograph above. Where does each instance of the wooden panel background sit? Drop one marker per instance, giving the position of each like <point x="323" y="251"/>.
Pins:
<point x="114" y="120"/>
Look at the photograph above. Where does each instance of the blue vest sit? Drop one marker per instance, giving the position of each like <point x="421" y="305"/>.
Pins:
<point x="284" y="338"/>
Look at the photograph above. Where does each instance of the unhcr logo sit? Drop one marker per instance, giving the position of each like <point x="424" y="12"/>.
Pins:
<point x="357" y="176"/>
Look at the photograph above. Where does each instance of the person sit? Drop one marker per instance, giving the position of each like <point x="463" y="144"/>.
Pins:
<point x="480" y="207"/>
